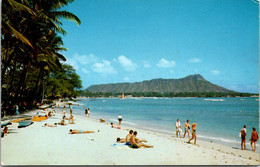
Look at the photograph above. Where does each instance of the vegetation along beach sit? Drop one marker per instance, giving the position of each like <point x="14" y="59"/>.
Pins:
<point x="137" y="82"/>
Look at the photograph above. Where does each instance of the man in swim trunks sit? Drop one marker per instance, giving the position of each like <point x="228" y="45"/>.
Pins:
<point x="127" y="138"/>
<point x="75" y="131"/>
<point x="194" y="136"/>
<point x="243" y="138"/>
<point x="254" y="138"/>
<point x="187" y="129"/>
<point x="135" y="144"/>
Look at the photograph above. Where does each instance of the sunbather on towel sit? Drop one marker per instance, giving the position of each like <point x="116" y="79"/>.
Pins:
<point x="135" y="144"/>
<point x="75" y="131"/>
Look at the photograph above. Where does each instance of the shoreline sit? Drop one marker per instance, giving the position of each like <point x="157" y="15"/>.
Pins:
<point x="212" y="139"/>
<point x="169" y="149"/>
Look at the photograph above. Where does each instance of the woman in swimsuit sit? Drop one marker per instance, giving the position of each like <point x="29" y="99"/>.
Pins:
<point x="254" y="138"/>
<point x="194" y="136"/>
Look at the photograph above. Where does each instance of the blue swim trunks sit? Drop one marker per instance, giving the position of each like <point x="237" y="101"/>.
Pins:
<point x="81" y="131"/>
<point x="128" y="143"/>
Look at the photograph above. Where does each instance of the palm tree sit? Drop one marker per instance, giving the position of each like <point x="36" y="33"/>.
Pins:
<point x="30" y="44"/>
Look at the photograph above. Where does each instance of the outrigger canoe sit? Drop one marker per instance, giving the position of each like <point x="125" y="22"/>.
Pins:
<point x="24" y="123"/>
<point x="20" y="119"/>
<point x="39" y="118"/>
<point x="5" y="124"/>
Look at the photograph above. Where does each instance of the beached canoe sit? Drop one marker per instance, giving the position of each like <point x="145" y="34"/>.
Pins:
<point x="39" y="118"/>
<point x="19" y="119"/>
<point x="5" y="124"/>
<point x="24" y="123"/>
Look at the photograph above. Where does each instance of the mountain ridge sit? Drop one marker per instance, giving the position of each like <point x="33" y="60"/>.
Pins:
<point x="190" y="83"/>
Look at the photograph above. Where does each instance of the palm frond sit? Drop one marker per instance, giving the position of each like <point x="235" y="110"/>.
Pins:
<point x="20" y="7"/>
<point x="67" y="15"/>
<point x="17" y="34"/>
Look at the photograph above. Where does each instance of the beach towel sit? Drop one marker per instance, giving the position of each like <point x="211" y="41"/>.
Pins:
<point x="121" y="146"/>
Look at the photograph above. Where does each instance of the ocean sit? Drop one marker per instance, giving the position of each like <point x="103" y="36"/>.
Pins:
<point x="219" y="119"/>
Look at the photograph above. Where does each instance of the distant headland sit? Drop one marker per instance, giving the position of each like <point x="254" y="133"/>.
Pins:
<point x="189" y="86"/>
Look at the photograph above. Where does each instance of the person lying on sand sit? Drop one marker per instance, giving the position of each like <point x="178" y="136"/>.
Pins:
<point x="112" y="126"/>
<point x="102" y="120"/>
<point x="135" y="144"/>
<point x="50" y="125"/>
<point x="75" y="131"/>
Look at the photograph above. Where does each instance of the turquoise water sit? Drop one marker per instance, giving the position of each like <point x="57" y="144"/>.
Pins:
<point x="219" y="119"/>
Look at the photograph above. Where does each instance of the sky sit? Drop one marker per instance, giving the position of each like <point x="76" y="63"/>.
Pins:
<point x="136" y="40"/>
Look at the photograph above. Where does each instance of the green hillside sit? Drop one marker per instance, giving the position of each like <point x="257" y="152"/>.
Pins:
<point x="191" y="83"/>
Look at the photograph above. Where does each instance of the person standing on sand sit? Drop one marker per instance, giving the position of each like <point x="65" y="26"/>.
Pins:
<point x="177" y="125"/>
<point x="194" y="135"/>
<point x="17" y="109"/>
<point x="187" y="129"/>
<point x="243" y="138"/>
<point x="64" y="111"/>
<point x="120" y="118"/>
<point x="86" y="111"/>
<point x="135" y="144"/>
<point x="254" y="138"/>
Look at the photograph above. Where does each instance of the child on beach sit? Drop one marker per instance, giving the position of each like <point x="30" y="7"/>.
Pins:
<point x="253" y="139"/>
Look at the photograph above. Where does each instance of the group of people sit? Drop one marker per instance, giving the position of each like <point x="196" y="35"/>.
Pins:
<point x="253" y="139"/>
<point x="70" y="119"/>
<point x="87" y="111"/>
<point x="187" y="127"/>
<point x="132" y="140"/>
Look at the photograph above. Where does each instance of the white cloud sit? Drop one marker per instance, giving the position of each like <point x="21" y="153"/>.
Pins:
<point x="195" y="60"/>
<point x="85" y="59"/>
<point x="73" y="63"/>
<point x="146" y="64"/>
<point x="103" y="68"/>
<point x="215" y="72"/>
<point x="126" y="63"/>
<point x="163" y="63"/>
<point x="84" y="70"/>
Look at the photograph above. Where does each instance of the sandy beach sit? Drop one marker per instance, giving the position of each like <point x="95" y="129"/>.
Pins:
<point x="37" y="145"/>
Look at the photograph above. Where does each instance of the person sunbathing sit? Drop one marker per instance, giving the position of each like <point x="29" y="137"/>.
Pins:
<point x="75" y="131"/>
<point x="50" y="125"/>
<point x="135" y="144"/>
<point x="112" y="126"/>
<point x="62" y="122"/>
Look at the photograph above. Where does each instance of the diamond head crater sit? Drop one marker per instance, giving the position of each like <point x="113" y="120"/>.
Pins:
<point x="189" y="86"/>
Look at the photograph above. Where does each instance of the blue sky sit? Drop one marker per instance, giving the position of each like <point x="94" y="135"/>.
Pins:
<point x="136" y="40"/>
